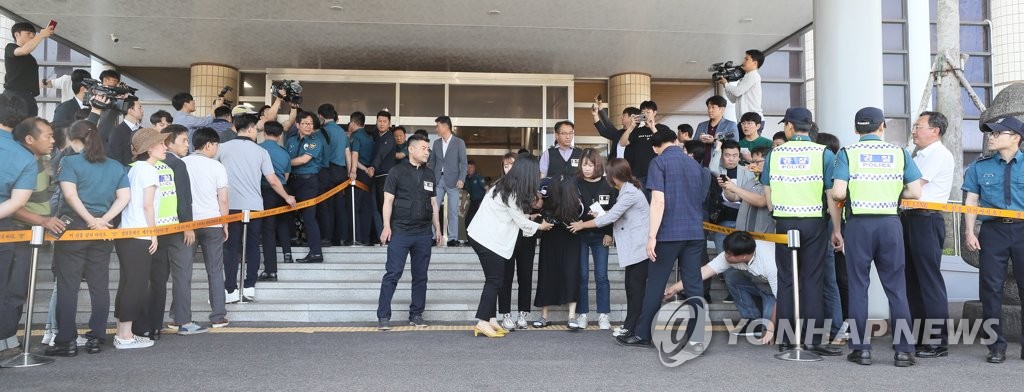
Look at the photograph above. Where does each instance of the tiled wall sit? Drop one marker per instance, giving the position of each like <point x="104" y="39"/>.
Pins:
<point x="1007" y="42"/>
<point x="207" y="81"/>
<point x="628" y="89"/>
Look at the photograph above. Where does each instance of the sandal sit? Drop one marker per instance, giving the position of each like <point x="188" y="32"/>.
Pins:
<point x="541" y="323"/>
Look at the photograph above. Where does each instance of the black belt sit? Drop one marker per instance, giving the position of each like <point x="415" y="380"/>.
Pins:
<point x="303" y="176"/>
<point x="919" y="212"/>
<point x="1005" y="220"/>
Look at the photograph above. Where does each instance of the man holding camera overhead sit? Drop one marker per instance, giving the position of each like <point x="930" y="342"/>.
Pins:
<point x="184" y="105"/>
<point x="22" y="71"/>
<point x="746" y="93"/>
<point x="638" y="151"/>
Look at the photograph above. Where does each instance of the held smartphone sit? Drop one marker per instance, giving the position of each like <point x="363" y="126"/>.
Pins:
<point x="67" y="222"/>
<point x="52" y="25"/>
<point x="723" y="177"/>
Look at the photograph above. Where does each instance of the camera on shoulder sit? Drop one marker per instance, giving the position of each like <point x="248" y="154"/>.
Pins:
<point x="726" y="70"/>
<point x="292" y="90"/>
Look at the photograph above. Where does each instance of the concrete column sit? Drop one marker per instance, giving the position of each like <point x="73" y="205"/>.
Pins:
<point x="1007" y="42"/>
<point x="919" y="49"/>
<point x="848" y="63"/>
<point x="627" y="89"/>
<point x="207" y="81"/>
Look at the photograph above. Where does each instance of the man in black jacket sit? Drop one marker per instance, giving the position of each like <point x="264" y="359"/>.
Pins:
<point x="383" y="160"/>
<point x="119" y="146"/>
<point x="605" y="128"/>
<point x="64" y="114"/>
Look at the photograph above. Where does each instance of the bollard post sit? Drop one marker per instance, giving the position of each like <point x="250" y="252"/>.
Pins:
<point x="353" y="193"/>
<point x="26" y="358"/>
<point x="797" y="354"/>
<point x="241" y="267"/>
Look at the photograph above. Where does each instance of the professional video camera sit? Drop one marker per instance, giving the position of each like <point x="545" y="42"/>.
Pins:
<point x="118" y="97"/>
<point x="726" y="70"/>
<point x="224" y="91"/>
<point x="292" y="91"/>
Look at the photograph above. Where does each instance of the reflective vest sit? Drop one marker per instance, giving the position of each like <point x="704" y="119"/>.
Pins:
<point x="167" y="210"/>
<point x="797" y="173"/>
<point x="876" y="178"/>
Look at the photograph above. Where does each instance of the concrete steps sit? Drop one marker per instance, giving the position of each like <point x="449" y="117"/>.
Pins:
<point x="346" y="286"/>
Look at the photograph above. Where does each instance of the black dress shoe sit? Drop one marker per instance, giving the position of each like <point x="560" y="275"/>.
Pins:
<point x="311" y="259"/>
<point x="154" y="334"/>
<point x="267" y="277"/>
<point x="68" y="349"/>
<point x="298" y="244"/>
<point x="783" y="347"/>
<point x="861" y="357"/>
<point x="996" y="356"/>
<point x="932" y="351"/>
<point x="453" y="243"/>
<point x="827" y="350"/>
<point x="904" y="359"/>
<point x="92" y="346"/>
<point x="633" y="341"/>
<point x="288" y="258"/>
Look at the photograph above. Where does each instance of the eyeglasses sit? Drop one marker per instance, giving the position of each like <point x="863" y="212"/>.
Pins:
<point x="917" y="127"/>
<point x="305" y="123"/>
<point x="997" y="134"/>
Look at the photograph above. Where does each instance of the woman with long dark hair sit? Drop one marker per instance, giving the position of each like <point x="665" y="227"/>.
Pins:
<point x="558" y="265"/>
<point x="94" y="190"/>
<point x="630" y="219"/>
<point x="597" y="196"/>
<point x="493" y="232"/>
<point x="519" y="267"/>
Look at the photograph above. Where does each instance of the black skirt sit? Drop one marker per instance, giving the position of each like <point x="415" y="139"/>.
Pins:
<point x="558" y="268"/>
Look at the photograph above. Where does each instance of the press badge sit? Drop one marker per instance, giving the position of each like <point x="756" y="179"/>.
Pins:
<point x="575" y="162"/>
<point x="428" y="186"/>
<point x="876" y="161"/>
<point x="603" y="199"/>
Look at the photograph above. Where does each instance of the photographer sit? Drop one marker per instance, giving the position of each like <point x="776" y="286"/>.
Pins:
<point x="184" y="105"/>
<point x="106" y="121"/>
<point x="22" y="71"/>
<point x="605" y="128"/>
<point x="746" y="93"/>
<point x="715" y="127"/>
<point x="639" y="152"/>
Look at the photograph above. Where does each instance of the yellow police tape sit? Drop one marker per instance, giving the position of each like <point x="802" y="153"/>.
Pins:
<point x="113" y="234"/>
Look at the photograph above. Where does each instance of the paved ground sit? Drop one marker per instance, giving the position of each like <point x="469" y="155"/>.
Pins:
<point x="454" y="360"/>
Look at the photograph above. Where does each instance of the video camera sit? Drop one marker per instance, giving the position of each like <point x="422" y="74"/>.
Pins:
<point x="224" y="91"/>
<point x="119" y="97"/>
<point x="726" y="70"/>
<point x="292" y="91"/>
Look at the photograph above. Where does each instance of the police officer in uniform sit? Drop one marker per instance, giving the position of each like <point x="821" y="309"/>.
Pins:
<point x="989" y="182"/>
<point x="797" y="176"/>
<point x="562" y="158"/>
<point x="307" y="151"/>
<point x="872" y="176"/>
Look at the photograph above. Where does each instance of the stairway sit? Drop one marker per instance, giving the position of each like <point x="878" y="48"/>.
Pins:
<point x="344" y="289"/>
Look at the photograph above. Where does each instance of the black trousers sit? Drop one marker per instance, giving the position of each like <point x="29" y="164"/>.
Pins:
<point x="133" y="291"/>
<point x="305" y="188"/>
<point x="331" y="214"/>
<point x="923" y="237"/>
<point x="15" y="261"/>
<point x="471" y="210"/>
<point x="522" y="261"/>
<point x="364" y="208"/>
<point x="31" y="108"/>
<point x="1000" y="242"/>
<point x="159" y="271"/>
<point x="494" y="267"/>
<point x="814" y="238"/>
<point x="72" y="261"/>
<point x="233" y="249"/>
<point x="636" y="281"/>
<point x="274" y="231"/>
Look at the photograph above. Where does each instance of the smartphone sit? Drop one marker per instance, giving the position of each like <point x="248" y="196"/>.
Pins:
<point x="67" y="223"/>
<point x="723" y="177"/>
<point x="52" y="25"/>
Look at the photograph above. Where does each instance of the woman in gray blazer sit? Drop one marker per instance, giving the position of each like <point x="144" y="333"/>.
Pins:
<point x="630" y="220"/>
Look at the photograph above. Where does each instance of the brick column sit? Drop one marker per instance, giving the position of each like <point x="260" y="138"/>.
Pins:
<point x="207" y="81"/>
<point x="627" y="89"/>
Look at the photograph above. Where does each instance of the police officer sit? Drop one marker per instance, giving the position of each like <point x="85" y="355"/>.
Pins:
<point x="562" y="158"/>
<point x="923" y="234"/>
<point x="17" y="183"/>
<point x="307" y="151"/>
<point x="871" y="176"/>
<point x="797" y="175"/>
<point x="989" y="183"/>
<point x="410" y="220"/>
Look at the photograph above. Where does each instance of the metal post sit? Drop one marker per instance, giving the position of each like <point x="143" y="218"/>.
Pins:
<point x="241" y="269"/>
<point x="352" y="192"/>
<point x="27" y="359"/>
<point x="798" y="353"/>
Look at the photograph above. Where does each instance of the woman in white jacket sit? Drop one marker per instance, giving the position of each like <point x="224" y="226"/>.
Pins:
<point x="629" y="218"/>
<point x="503" y="212"/>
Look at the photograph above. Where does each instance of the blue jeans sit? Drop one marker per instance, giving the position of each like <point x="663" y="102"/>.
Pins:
<point x="744" y="290"/>
<point x="833" y="302"/>
<point x="415" y="247"/>
<point x="592" y="241"/>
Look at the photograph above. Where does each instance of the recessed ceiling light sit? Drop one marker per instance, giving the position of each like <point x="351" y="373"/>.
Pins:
<point x="138" y="48"/>
<point x="494" y="12"/>
<point x="746" y="20"/>
<point x="691" y="61"/>
<point x="246" y="85"/>
<point x="337" y="7"/>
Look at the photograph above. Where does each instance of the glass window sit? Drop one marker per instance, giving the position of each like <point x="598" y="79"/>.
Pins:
<point x="892" y="9"/>
<point x="969" y="109"/>
<point x="253" y="84"/>
<point x="783" y="65"/>
<point x="896" y="131"/>
<point x="895" y="99"/>
<point x="780" y="96"/>
<point x="558" y="102"/>
<point x="893" y="36"/>
<point x="422" y="100"/>
<point x="973" y="39"/>
<point x="977" y="69"/>
<point x="894" y="67"/>
<point x="368" y="98"/>
<point x="495" y="101"/>
<point x="795" y="43"/>
<point x="973" y="10"/>
<point x="973" y="139"/>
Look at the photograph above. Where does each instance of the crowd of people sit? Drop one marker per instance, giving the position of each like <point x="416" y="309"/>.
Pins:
<point x="94" y="168"/>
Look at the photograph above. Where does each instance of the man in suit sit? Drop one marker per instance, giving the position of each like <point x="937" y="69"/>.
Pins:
<point x="64" y="114"/>
<point x="448" y="160"/>
<point x="715" y="127"/>
<point x="119" y="147"/>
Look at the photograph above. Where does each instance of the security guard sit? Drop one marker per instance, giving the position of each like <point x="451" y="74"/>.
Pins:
<point x="307" y="151"/>
<point x="872" y="175"/>
<point x="797" y="176"/>
<point x="993" y="182"/>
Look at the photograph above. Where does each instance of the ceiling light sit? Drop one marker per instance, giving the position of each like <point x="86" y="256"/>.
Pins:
<point x="746" y="20"/>
<point x="337" y="8"/>
<point x="494" y="12"/>
<point x="246" y="85"/>
<point x="691" y="61"/>
<point x="138" y="48"/>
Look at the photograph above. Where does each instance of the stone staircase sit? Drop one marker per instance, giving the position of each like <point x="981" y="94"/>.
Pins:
<point x="344" y="289"/>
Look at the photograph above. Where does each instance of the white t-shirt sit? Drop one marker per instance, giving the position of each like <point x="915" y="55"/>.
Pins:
<point x="936" y="164"/>
<point x="761" y="267"/>
<point x="141" y="176"/>
<point x="206" y="176"/>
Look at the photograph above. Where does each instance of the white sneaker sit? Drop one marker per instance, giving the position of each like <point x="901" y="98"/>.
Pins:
<point x="232" y="297"/>
<point x="507" y="322"/>
<point x="191" y="329"/>
<point x="521" y="321"/>
<point x="603" y="322"/>
<point x="80" y="341"/>
<point x="249" y="293"/>
<point x="581" y="321"/>
<point x="48" y="336"/>
<point x="620" y="331"/>
<point x="134" y="342"/>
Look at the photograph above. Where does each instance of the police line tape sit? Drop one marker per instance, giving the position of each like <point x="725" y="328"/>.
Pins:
<point x="915" y="204"/>
<point x="113" y="234"/>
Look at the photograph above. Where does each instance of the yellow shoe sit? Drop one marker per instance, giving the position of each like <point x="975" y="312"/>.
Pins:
<point x="478" y="332"/>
